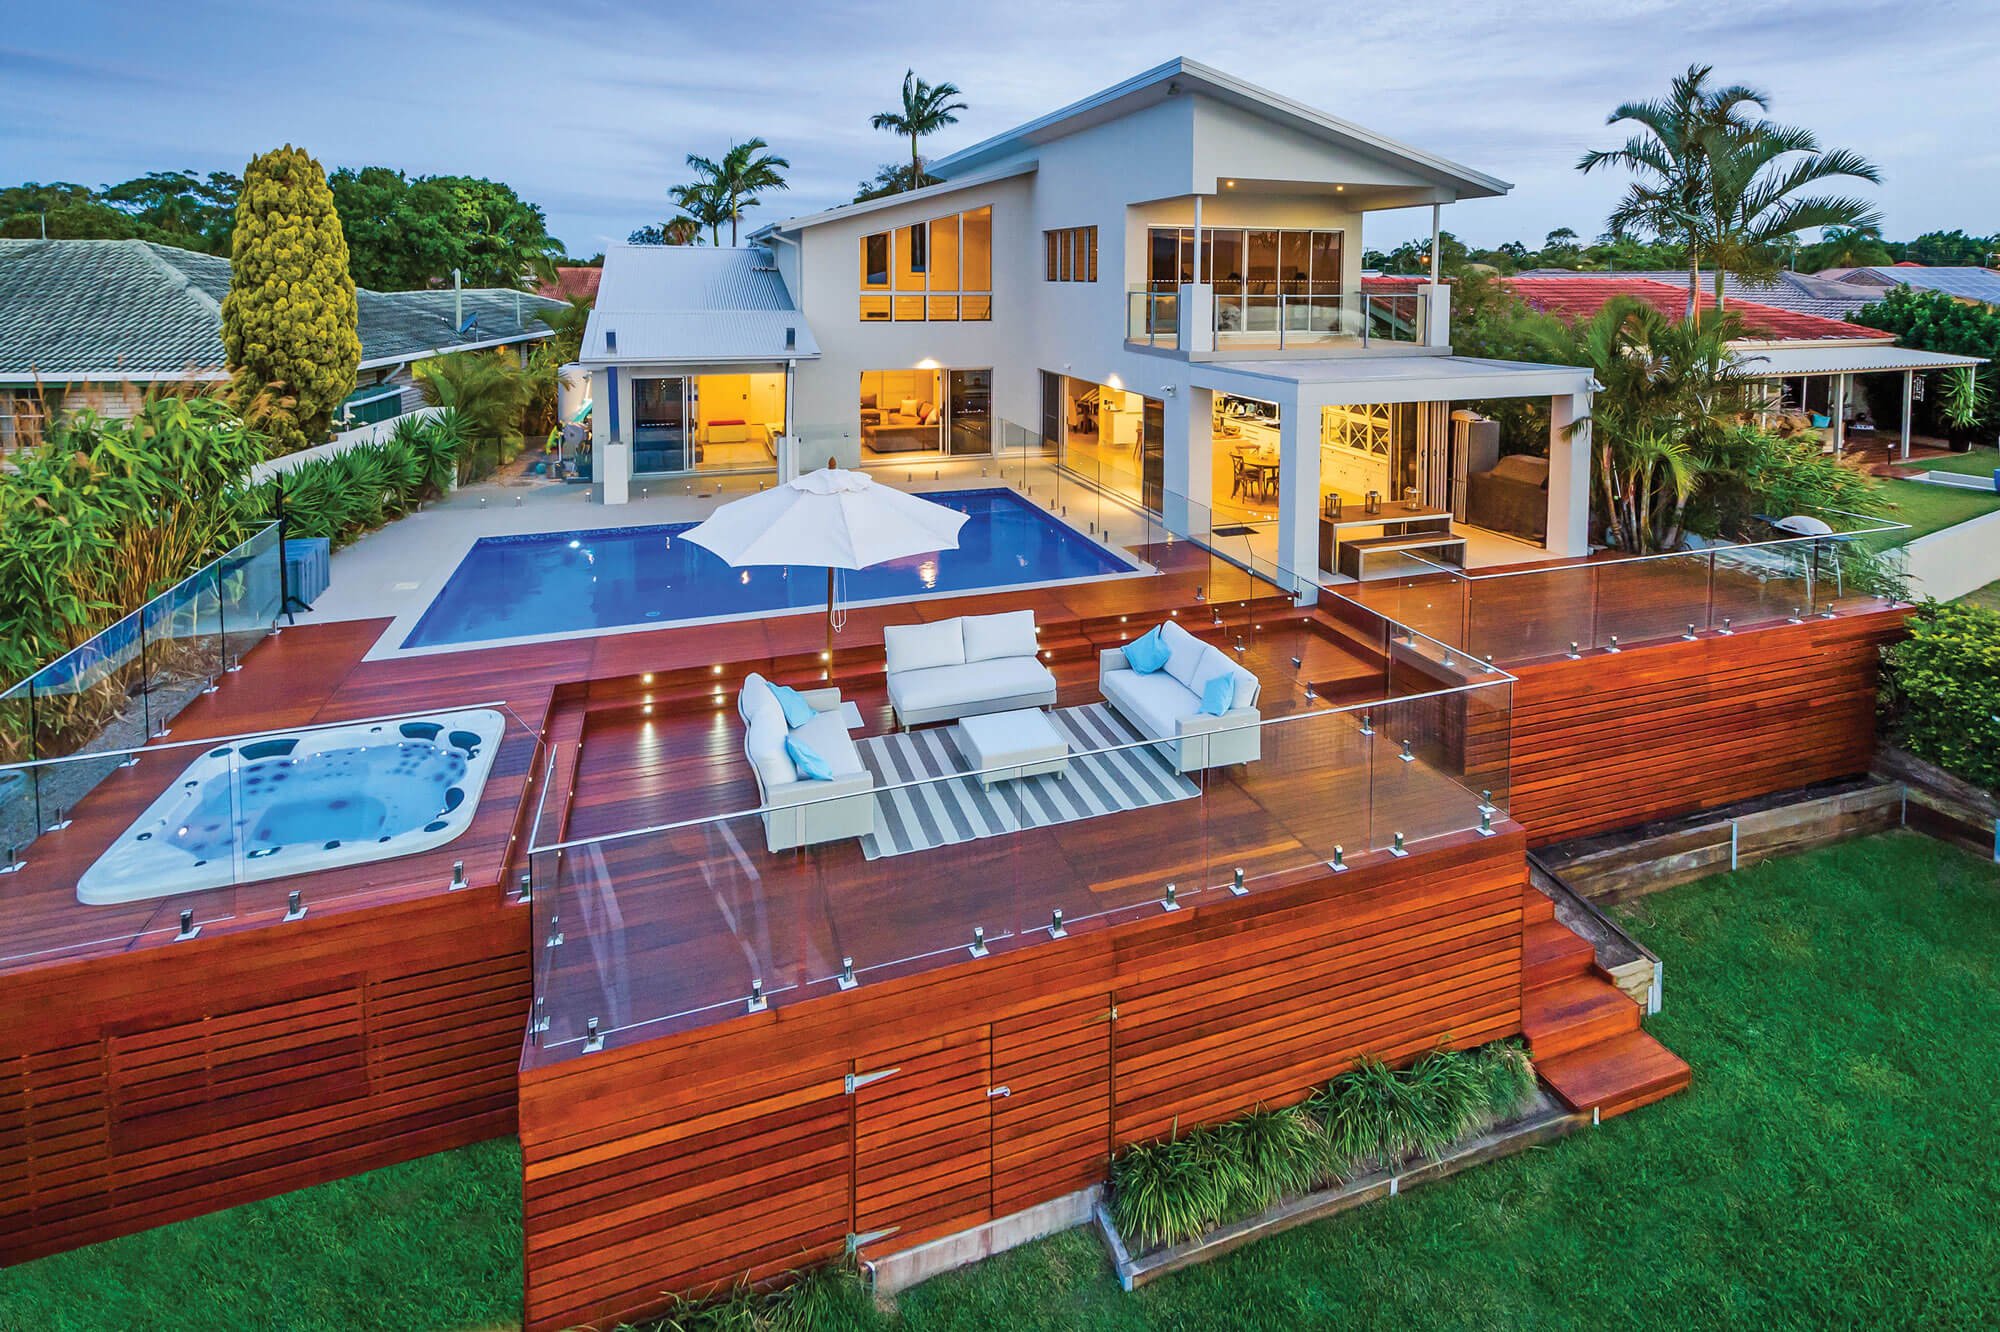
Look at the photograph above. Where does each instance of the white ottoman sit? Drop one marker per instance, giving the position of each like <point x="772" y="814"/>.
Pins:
<point x="1007" y="745"/>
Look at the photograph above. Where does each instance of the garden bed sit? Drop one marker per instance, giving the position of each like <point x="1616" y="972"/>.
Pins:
<point x="1544" y="1120"/>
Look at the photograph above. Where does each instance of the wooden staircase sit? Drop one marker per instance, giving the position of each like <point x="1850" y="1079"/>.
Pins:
<point x="1583" y="1034"/>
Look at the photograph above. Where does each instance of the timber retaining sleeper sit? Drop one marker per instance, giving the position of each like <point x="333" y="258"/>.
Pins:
<point x="1545" y="1120"/>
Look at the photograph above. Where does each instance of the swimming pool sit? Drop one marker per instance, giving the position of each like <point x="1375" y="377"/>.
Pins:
<point x="624" y="577"/>
<point x="289" y="804"/>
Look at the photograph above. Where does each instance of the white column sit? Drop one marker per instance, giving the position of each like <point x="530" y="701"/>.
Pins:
<point x="1909" y="378"/>
<point x="1189" y="463"/>
<point x="1197" y="312"/>
<point x="1437" y="264"/>
<point x="1839" y="415"/>
<point x="1569" y="476"/>
<point x="611" y="463"/>
<point x="1298" y="494"/>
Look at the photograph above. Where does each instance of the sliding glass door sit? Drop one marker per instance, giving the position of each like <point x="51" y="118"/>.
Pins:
<point x="659" y="425"/>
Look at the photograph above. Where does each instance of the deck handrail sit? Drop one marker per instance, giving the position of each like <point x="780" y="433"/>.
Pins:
<point x="1501" y="679"/>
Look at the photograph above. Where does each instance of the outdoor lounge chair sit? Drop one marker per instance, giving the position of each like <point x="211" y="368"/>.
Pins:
<point x="798" y="810"/>
<point x="1166" y="704"/>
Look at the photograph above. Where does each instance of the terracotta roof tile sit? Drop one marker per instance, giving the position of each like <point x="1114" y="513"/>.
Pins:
<point x="1582" y="297"/>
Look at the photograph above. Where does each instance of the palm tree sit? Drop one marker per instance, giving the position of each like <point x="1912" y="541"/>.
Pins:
<point x="926" y="110"/>
<point x="1672" y="394"/>
<point x="743" y="171"/>
<point x="704" y="204"/>
<point x="1671" y="158"/>
<point x="1755" y="172"/>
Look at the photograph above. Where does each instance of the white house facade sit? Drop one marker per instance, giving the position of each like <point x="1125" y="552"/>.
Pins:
<point x="1157" y="290"/>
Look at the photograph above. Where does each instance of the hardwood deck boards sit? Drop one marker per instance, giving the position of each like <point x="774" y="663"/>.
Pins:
<point x="315" y="673"/>
<point x="669" y="929"/>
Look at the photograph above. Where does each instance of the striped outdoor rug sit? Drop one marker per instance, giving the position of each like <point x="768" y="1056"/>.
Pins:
<point x="917" y="818"/>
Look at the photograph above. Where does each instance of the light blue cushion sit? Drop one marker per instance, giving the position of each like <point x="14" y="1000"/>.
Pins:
<point x="807" y="760"/>
<point x="1148" y="654"/>
<point x="797" y="711"/>
<point x="1218" y="694"/>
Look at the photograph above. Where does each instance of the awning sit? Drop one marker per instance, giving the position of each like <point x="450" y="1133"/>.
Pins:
<point x="1335" y="380"/>
<point x="1783" y="362"/>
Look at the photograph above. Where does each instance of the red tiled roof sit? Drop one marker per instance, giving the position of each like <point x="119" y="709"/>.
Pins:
<point x="1907" y="263"/>
<point x="578" y="281"/>
<point x="1389" y="282"/>
<point x="1582" y="297"/>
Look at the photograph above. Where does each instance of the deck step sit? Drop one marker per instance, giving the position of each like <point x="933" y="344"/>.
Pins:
<point x="1536" y="906"/>
<point x="1612" y="1076"/>
<point x="1551" y="951"/>
<point x="1572" y="1013"/>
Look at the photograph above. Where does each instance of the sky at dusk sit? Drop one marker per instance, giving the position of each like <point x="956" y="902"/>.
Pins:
<point x="589" y="109"/>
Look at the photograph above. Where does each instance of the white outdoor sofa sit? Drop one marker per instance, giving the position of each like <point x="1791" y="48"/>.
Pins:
<point x="1166" y="704"/>
<point x="800" y="811"/>
<point x="964" y="667"/>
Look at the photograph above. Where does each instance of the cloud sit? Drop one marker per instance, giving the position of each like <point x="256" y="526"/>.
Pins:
<point x="590" y="109"/>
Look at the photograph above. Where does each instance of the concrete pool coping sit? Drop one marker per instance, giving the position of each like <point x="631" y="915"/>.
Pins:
<point x="401" y="569"/>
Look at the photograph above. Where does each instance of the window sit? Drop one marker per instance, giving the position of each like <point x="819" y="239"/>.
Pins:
<point x="940" y="270"/>
<point x="1070" y="254"/>
<point x="1239" y="261"/>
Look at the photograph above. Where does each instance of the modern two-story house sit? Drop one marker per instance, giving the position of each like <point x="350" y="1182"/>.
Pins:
<point x="1157" y="289"/>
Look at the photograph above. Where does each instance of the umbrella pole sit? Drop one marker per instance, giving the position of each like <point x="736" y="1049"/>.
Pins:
<point x="829" y="626"/>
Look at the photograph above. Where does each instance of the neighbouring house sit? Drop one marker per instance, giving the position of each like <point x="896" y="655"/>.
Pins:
<point x="96" y="323"/>
<point x="1157" y="289"/>
<point x="572" y="282"/>
<point x="1808" y="363"/>
<point x="1961" y="282"/>
<point x="1803" y="293"/>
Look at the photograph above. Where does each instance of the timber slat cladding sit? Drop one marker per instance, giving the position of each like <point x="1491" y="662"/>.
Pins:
<point x="676" y="1164"/>
<point x="1673" y="728"/>
<point x="172" y="1082"/>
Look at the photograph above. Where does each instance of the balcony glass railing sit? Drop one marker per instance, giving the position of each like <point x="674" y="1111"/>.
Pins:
<point x="1153" y="317"/>
<point x="110" y="847"/>
<point x="1297" y="321"/>
<point x="128" y="681"/>
<point x="1523" y="615"/>
<point x="677" y="925"/>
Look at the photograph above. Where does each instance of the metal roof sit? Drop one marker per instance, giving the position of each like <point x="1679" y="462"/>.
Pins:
<point x="117" y="310"/>
<point x="1795" y="359"/>
<point x="684" y="303"/>
<point x="1803" y="293"/>
<point x="1964" y="282"/>
<point x="1184" y="75"/>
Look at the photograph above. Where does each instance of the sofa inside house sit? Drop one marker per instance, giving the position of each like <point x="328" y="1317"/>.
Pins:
<point x="1511" y="497"/>
<point x="801" y="810"/>
<point x="965" y="666"/>
<point x="900" y="425"/>
<point x="1166" y="703"/>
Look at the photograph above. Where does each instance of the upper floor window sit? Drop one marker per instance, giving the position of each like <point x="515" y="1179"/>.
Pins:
<point x="937" y="270"/>
<point x="1253" y="261"/>
<point x="1070" y="254"/>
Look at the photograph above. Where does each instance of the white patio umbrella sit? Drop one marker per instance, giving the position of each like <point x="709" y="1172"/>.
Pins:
<point x="831" y="518"/>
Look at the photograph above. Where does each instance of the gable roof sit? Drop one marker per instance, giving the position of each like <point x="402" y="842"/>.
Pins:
<point x="1965" y="282"/>
<point x="82" y="310"/>
<point x="1184" y="75"/>
<point x="690" y="303"/>
<point x="1803" y="293"/>
<point x="1581" y="296"/>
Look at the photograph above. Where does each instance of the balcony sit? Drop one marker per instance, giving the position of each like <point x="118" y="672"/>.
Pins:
<point x="1218" y="321"/>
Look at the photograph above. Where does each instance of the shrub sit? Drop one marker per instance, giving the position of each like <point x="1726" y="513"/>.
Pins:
<point x="288" y="322"/>
<point x="358" y="489"/>
<point x="1943" y="690"/>
<point x="1373" y="1117"/>
<point x="819" y="1299"/>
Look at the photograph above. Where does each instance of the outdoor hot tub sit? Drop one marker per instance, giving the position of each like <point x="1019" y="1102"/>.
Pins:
<point x="281" y="805"/>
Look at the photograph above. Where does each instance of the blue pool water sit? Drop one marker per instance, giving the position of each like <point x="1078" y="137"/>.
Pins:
<point x="564" y="582"/>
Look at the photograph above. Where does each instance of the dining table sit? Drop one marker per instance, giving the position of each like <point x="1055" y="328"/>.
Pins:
<point x="1262" y="466"/>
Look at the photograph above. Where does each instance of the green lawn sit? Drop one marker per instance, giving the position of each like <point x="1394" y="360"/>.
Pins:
<point x="1977" y="462"/>
<point x="433" y="1243"/>
<point x="1928" y="508"/>
<point x="1832" y="1167"/>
